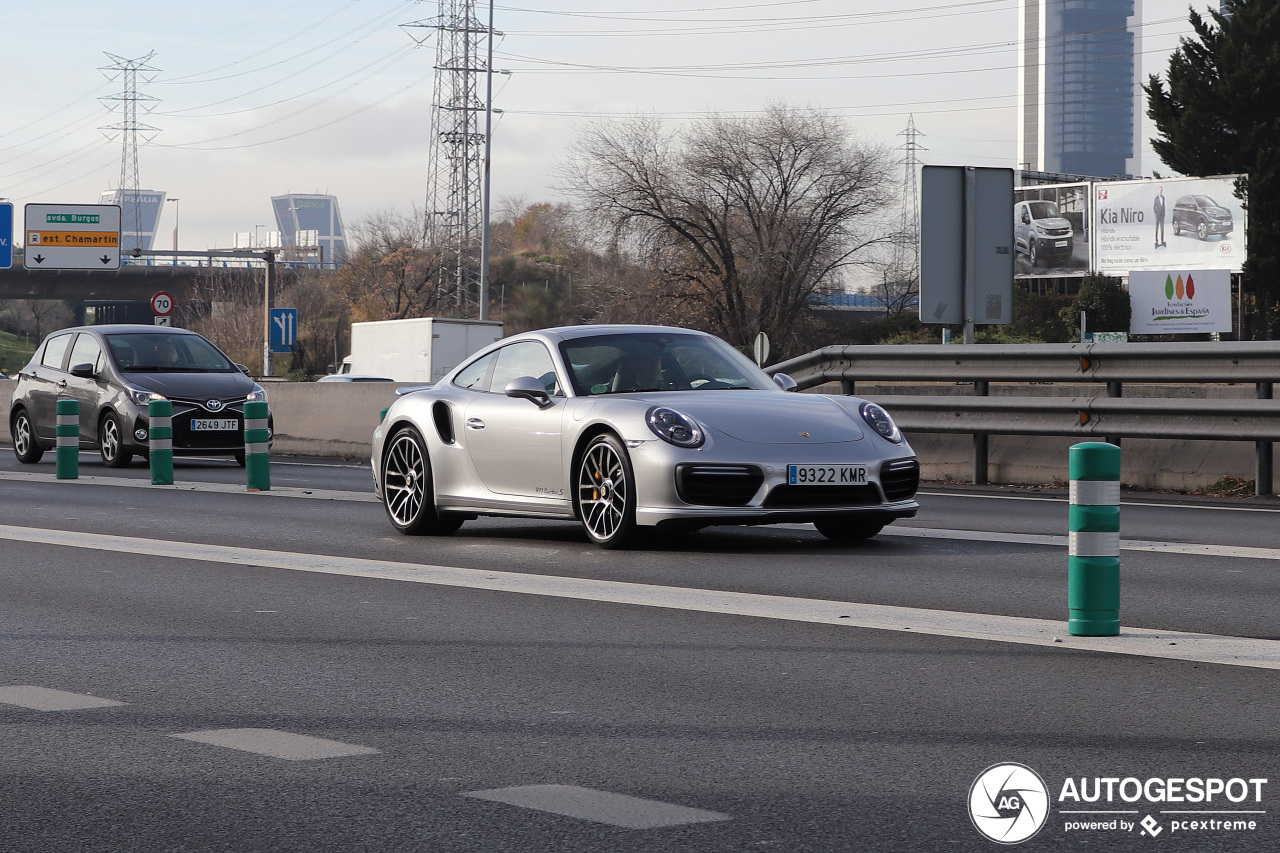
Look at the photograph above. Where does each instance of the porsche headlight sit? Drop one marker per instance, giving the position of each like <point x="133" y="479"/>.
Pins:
<point x="141" y="396"/>
<point x="878" y="419"/>
<point x="257" y="395"/>
<point x="674" y="427"/>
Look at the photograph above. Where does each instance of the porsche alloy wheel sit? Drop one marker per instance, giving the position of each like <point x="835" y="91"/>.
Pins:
<point x="605" y="493"/>
<point x="407" y="491"/>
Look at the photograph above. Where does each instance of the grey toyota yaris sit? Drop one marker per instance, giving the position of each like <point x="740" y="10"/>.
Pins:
<point x="114" y="372"/>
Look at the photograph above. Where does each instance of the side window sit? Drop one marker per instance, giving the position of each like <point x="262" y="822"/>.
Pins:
<point x="476" y="374"/>
<point x="54" y="350"/>
<point x="86" y="351"/>
<point x="528" y="358"/>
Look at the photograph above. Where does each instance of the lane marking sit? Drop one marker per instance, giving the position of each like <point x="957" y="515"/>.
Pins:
<point x="1145" y="642"/>
<point x="1063" y="499"/>
<point x="277" y="744"/>
<point x="1193" y="549"/>
<point x="1189" y="548"/>
<point x="193" y="486"/>
<point x="44" y="699"/>
<point x="599" y="806"/>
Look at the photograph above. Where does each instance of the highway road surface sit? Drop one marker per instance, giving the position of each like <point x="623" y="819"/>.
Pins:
<point x="201" y="668"/>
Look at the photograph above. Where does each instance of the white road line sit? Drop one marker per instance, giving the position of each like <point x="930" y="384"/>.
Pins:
<point x="192" y="486"/>
<point x="1146" y="642"/>
<point x="44" y="699"/>
<point x="1123" y="502"/>
<point x="277" y="744"/>
<point x="599" y="806"/>
<point x="1192" y="548"/>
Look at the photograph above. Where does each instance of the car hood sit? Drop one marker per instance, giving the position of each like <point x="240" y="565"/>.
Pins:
<point x="1218" y="212"/>
<point x="194" y="386"/>
<point x="1053" y="222"/>
<point x="765" y="417"/>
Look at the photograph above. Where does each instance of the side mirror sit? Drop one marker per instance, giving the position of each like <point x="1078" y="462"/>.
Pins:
<point x="785" y="382"/>
<point x="83" y="371"/>
<point x="529" y="388"/>
<point x="242" y="368"/>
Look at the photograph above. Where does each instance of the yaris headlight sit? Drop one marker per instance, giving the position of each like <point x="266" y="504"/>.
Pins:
<point x="141" y="396"/>
<point x="878" y="419"/>
<point x="674" y="427"/>
<point x="257" y="395"/>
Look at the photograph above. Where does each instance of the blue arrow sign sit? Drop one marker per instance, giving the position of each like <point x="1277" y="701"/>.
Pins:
<point x="284" y="329"/>
<point x="6" y="236"/>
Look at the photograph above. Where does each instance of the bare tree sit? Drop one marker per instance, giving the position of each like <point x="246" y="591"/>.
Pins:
<point x="742" y="220"/>
<point x="390" y="274"/>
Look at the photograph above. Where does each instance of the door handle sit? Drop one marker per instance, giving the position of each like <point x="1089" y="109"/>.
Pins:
<point x="475" y="423"/>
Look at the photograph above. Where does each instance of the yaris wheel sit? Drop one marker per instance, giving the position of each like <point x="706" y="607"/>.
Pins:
<point x="408" y="493"/>
<point x="604" y="493"/>
<point x="24" y="439"/>
<point x="111" y="442"/>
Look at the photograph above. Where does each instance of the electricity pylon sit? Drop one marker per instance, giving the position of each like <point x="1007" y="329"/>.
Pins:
<point x="126" y="102"/>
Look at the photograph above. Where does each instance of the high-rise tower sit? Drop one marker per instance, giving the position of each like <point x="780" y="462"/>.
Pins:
<point x="1078" y="87"/>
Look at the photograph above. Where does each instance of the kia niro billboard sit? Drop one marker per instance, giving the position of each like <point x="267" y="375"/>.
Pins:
<point x="1175" y="224"/>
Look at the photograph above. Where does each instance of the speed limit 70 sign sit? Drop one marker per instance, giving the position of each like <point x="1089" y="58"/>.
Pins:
<point x="162" y="304"/>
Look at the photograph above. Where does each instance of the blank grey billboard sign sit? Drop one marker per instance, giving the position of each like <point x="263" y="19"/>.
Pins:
<point x="966" y="245"/>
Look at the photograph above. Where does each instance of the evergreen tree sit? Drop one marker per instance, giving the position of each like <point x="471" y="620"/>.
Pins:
<point x="1221" y="115"/>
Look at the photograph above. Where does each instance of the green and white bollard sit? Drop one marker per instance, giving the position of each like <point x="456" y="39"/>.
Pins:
<point x="1093" y="573"/>
<point x="68" y="433"/>
<point x="160" y="441"/>
<point x="257" y="461"/>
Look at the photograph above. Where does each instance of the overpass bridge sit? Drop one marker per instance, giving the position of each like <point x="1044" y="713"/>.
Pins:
<point x="139" y="276"/>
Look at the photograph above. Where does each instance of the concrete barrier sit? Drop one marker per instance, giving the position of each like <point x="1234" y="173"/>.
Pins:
<point x="336" y="419"/>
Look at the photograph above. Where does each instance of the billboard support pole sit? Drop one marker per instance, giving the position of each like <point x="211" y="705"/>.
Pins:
<point x="970" y="249"/>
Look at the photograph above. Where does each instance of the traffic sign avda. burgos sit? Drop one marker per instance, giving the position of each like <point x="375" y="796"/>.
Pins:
<point x="72" y="236"/>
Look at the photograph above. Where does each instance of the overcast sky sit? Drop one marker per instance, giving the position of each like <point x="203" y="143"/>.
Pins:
<point x="255" y="99"/>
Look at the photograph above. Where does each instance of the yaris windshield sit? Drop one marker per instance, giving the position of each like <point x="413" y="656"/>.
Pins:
<point x="161" y="353"/>
<point x="659" y="361"/>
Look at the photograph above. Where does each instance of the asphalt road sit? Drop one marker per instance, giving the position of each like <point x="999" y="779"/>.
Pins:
<point x="283" y="672"/>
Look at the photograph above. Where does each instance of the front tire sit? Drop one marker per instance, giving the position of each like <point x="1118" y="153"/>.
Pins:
<point x="1202" y="230"/>
<point x="1032" y="254"/>
<point x="605" y="494"/>
<point x="847" y="530"/>
<point x="25" y="446"/>
<point x="111" y="442"/>
<point x="408" y="492"/>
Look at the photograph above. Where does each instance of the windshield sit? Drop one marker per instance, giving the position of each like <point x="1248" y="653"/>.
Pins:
<point x="147" y="352"/>
<point x="659" y="361"/>
<point x="1044" y="210"/>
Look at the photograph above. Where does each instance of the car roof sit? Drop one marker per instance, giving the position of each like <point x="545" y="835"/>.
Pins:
<point x="571" y="332"/>
<point x="130" y="328"/>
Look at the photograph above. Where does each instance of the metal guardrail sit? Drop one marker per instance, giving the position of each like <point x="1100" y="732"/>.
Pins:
<point x="1111" y="417"/>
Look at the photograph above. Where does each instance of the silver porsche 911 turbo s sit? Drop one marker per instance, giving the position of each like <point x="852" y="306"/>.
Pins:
<point x="632" y="428"/>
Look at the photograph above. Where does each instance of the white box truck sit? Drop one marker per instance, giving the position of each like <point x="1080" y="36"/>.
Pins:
<point x="421" y="349"/>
